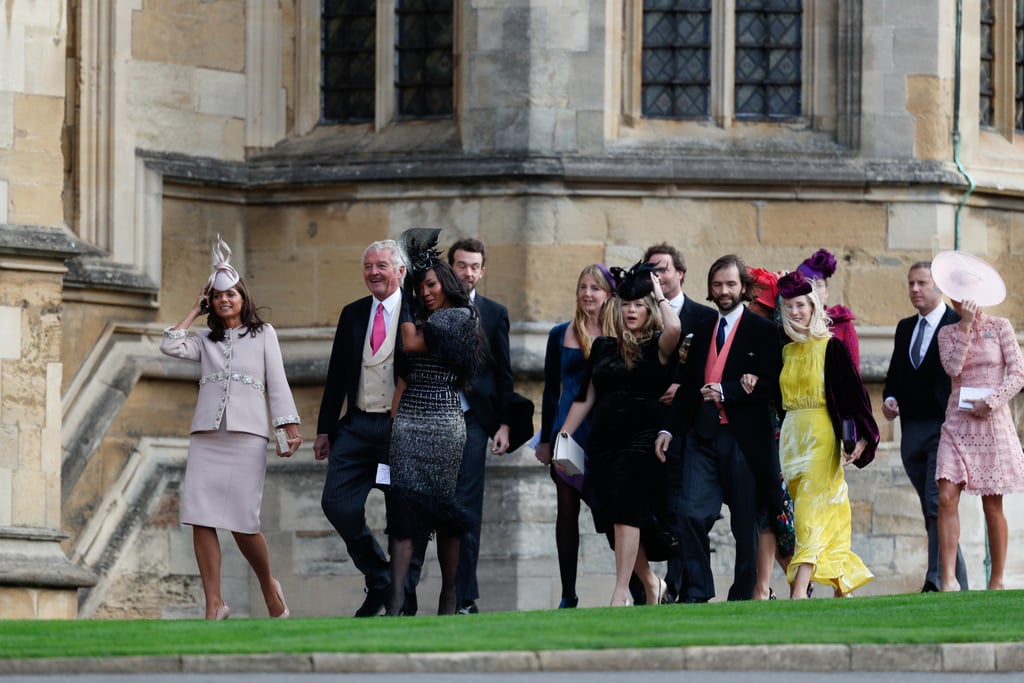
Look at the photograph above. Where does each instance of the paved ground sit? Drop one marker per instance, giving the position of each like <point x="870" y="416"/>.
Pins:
<point x="535" y="677"/>
<point x="945" y="658"/>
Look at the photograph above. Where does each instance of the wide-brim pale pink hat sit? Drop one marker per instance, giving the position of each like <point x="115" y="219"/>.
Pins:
<point x="963" y="277"/>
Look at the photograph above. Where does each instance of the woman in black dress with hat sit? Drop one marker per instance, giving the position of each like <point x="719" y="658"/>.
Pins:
<point x="628" y="374"/>
<point x="440" y="342"/>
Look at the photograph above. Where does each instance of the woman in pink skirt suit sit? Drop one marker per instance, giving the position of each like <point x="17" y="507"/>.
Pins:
<point x="227" y="455"/>
<point x="979" y="450"/>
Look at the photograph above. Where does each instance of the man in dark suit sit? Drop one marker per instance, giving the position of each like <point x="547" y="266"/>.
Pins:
<point x="361" y="375"/>
<point x="670" y="266"/>
<point x="487" y="413"/>
<point x="916" y="391"/>
<point x="722" y="410"/>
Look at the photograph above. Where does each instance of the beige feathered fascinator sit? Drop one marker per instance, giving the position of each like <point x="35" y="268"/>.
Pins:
<point x="224" y="276"/>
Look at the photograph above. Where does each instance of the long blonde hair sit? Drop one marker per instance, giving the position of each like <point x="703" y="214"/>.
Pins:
<point x="818" y="328"/>
<point x="579" y="323"/>
<point x="629" y="343"/>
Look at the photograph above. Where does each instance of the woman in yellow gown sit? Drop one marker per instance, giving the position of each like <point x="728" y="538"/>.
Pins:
<point x="821" y="389"/>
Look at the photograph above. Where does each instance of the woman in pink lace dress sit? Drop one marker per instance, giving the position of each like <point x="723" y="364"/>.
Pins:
<point x="979" y="450"/>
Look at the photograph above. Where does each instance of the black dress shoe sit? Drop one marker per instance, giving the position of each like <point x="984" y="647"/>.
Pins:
<point x="694" y="601"/>
<point x="374" y="601"/>
<point x="930" y="587"/>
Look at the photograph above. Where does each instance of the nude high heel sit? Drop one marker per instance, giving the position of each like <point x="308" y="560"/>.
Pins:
<point x="280" y="596"/>
<point x="223" y="612"/>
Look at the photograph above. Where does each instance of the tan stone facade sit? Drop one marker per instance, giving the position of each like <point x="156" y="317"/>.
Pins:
<point x="132" y="133"/>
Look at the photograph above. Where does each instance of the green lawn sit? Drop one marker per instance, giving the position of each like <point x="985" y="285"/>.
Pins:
<point x="978" y="616"/>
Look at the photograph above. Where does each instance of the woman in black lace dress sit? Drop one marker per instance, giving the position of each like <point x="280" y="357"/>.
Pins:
<point x="628" y="374"/>
<point x="439" y="342"/>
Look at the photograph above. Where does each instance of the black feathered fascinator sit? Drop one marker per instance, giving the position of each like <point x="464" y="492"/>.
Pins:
<point x="634" y="283"/>
<point x="418" y="246"/>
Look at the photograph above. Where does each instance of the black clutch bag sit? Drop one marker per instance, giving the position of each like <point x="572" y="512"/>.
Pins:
<point x="849" y="435"/>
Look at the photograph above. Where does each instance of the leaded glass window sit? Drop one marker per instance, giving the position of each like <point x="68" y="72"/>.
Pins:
<point x="986" y="89"/>
<point x="768" y="56"/>
<point x="424" y="57"/>
<point x="676" y="71"/>
<point x="1018" y="70"/>
<point x="349" y="61"/>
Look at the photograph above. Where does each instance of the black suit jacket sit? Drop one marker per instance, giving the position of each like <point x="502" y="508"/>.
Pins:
<point x="921" y="392"/>
<point x="691" y="315"/>
<point x="491" y="389"/>
<point x="755" y="350"/>
<point x="346" y="366"/>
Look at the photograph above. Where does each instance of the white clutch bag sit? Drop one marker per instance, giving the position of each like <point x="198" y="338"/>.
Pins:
<point x="568" y="454"/>
<point x="968" y="395"/>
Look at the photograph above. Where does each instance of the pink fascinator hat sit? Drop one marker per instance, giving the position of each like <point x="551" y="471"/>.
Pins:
<point x="224" y="276"/>
<point x="962" y="277"/>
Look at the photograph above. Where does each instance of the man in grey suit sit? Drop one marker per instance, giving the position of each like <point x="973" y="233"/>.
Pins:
<point x="917" y="391"/>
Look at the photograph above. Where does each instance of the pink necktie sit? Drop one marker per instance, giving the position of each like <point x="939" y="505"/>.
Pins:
<point x="378" y="333"/>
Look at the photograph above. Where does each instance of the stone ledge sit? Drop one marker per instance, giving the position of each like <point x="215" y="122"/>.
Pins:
<point x="41" y="241"/>
<point x="950" y="657"/>
<point x="633" y="166"/>
<point x="258" y="663"/>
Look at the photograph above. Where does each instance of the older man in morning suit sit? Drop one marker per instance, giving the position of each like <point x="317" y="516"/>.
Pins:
<point x="917" y="390"/>
<point x="362" y="376"/>
<point x="722" y="410"/>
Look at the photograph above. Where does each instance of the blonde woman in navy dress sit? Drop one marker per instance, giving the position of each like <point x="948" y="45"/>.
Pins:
<point x="227" y="456"/>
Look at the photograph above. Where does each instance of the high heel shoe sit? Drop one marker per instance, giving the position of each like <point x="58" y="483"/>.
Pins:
<point x="223" y="612"/>
<point x="280" y="596"/>
<point x="659" y="594"/>
<point x="569" y="603"/>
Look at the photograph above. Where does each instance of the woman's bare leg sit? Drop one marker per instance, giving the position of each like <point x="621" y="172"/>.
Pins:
<point x="798" y="591"/>
<point x="207" y="549"/>
<point x="627" y="545"/>
<point x="254" y="549"/>
<point x="998" y="534"/>
<point x="765" y="564"/>
<point x="949" y="532"/>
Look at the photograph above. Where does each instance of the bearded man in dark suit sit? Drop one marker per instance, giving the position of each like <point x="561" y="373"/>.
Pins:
<point x="722" y="409"/>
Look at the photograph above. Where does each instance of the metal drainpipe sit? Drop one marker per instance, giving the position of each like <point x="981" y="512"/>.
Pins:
<point x="970" y="188"/>
<point x="956" y="124"/>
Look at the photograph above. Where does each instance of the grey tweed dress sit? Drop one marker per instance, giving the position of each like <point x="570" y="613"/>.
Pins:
<point x="429" y="430"/>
